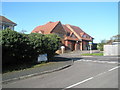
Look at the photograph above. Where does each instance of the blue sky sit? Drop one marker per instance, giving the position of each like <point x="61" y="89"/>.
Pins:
<point x="98" y="19"/>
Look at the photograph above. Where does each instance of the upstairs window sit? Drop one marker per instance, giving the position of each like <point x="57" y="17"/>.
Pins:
<point x="73" y="36"/>
<point x="68" y="34"/>
<point x="88" y="37"/>
<point x="84" y="36"/>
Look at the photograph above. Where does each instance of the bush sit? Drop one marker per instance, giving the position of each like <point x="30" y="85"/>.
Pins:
<point x="21" y="48"/>
<point x="42" y="44"/>
<point x="10" y="41"/>
<point x="51" y="44"/>
<point x="101" y="45"/>
<point x="36" y="44"/>
<point x="14" y="46"/>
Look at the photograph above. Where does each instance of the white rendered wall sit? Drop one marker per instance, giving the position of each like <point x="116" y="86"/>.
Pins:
<point x="112" y="50"/>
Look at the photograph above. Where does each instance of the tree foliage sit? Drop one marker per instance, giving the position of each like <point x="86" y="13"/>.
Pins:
<point x="115" y="38"/>
<point x="101" y="45"/>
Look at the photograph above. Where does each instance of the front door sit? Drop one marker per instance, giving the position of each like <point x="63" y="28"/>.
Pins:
<point x="73" y="45"/>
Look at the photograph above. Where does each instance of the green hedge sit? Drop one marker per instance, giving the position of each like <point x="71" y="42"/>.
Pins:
<point x="17" y="47"/>
<point x="12" y="45"/>
<point x="51" y="44"/>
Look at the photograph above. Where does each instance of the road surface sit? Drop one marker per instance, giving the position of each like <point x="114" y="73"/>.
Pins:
<point x="82" y="74"/>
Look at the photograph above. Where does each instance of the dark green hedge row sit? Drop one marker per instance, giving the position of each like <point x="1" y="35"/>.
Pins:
<point x="17" y="47"/>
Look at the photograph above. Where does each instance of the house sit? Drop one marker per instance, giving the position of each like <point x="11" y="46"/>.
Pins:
<point x="6" y="23"/>
<point x="73" y="37"/>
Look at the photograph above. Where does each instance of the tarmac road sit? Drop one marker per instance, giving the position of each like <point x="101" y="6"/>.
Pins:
<point x="84" y="73"/>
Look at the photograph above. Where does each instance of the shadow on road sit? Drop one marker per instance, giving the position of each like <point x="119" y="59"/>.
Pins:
<point x="75" y="59"/>
<point x="61" y="59"/>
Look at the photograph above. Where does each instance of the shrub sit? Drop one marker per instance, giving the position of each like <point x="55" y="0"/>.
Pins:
<point x="11" y="41"/>
<point x="36" y="44"/>
<point x="42" y="44"/>
<point x="101" y="45"/>
<point x="51" y="44"/>
<point x="17" y="47"/>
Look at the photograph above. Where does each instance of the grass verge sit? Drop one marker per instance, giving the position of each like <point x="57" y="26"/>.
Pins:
<point x="92" y="54"/>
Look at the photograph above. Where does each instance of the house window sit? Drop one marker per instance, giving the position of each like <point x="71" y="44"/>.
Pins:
<point x="87" y="36"/>
<point x="73" y="36"/>
<point x="11" y="27"/>
<point x="84" y="36"/>
<point x="68" y="34"/>
<point x="6" y="26"/>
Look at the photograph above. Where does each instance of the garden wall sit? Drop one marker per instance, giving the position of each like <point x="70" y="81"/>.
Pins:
<point x="112" y="50"/>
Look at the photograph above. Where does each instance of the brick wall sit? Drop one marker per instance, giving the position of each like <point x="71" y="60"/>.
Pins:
<point x="59" y="30"/>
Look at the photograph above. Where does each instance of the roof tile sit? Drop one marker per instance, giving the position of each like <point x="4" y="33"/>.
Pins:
<point x="47" y="28"/>
<point x="4" y="19"/>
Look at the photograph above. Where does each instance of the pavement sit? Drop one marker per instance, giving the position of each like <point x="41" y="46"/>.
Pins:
<point x="56" y="64"/>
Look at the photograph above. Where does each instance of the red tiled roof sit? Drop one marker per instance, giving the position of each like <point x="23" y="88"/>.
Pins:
<point x="76" y="29"/>
<point x="45" y="29"/>
<point x="4" y="19"/>
<point x="66" y="28"/>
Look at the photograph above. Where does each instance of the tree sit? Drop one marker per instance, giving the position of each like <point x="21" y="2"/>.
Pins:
<point x="101" y="45"/>
<point x="115" y="38"/>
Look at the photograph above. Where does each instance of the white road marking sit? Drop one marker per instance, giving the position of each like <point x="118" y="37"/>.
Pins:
<point x="79" y="83"/>
<point x="100" y="74"/>
<point x="97" y="61"/>
<point x="112" y="62"/>
<point x="90" y="78"/>
<point x="113" y="68"/>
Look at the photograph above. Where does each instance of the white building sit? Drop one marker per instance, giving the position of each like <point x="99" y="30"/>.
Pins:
<point x="6" y="23"/>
